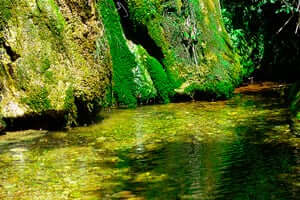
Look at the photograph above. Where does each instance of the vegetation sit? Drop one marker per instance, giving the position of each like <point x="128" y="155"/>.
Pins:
<point x="5" y="14"/>
<point x="38" y="84"/>
<point x="195" y="47"/>
<point x="264" y="34"/>
<point x="38" y="100"/>
<point x="61" y="61"/>
<point x="122" y="59"/>
<point x="158" y="75"/>
<point x="295" y="100"/>
<point x="161" y="50"/>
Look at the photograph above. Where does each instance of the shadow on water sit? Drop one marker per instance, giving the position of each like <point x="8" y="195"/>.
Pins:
<point x="238" y="149"/>
<point x="202" y="170"/>
<point x="262" y="164"/>
<point x="259" y="163"/>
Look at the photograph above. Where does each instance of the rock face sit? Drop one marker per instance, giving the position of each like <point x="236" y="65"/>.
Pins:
<point x="53" y="58"/>
<point x="64" y="58"/>
<point x="189" y="48"/>
<point x="196" y="52"/>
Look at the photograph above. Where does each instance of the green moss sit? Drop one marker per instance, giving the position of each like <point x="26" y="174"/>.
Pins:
<point x="109" y="99"/>
<point x="5" y="13"/>
<point x="49" y="77"/>
<point x="158" y="75"/>
<point x="45" y="65"/>
<point x="123" y="60"/>
<point x="38" y="100"/>
<point x="298" y="116"/>
<point x="194" y="43"/>
<point x="63" y="43"/>
<point x="52" y="16"/>
<point x="160" y="79"/>
<point x="69" y="100"/>
<point x="70" y="107"/>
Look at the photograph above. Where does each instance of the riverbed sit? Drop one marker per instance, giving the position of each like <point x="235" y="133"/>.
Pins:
<point x="235" y="149"/>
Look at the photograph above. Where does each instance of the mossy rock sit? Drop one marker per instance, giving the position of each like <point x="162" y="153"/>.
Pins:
<point x="191" y="51"/>
<point x="197" y="52"/>
<point x="63" y="58"/>
<point x="54" y="58"/>
<point x="134" y="79"/>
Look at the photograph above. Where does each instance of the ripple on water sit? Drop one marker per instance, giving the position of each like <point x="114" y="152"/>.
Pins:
<point x="236" y="149"/>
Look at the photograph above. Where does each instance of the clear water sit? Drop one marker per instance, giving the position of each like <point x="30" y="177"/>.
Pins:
<point x="240" y="149"/>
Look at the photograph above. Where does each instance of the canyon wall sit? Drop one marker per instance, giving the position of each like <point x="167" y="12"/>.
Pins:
<point x="62" y="60"/>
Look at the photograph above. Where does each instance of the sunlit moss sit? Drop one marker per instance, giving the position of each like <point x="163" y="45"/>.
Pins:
<point x="5" y="13"/>
<point x="122" y="59"/>
<point x="194" y="43"/>
<point x="38" y="100"/>
<point x="52" y="15"/>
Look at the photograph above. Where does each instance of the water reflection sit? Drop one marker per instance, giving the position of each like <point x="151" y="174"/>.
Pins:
<point x="197" y="170"/>
<point x="238" y="149"/>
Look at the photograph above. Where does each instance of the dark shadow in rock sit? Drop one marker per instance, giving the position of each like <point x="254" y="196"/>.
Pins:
<point x="137" y="33"/>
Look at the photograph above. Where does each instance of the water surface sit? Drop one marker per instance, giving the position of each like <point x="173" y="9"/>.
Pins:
<point x="238" y="149"/>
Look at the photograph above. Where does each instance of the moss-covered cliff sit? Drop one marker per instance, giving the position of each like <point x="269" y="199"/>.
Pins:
<point x="54" y="58"/>
<point x="64" y="58"/>
<point x="188" y="44"/>
<point x="197" y="53"/>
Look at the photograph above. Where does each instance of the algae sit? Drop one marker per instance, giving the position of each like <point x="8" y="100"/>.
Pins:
<point x="45" y="51"/>
<point x="71" y="58"/>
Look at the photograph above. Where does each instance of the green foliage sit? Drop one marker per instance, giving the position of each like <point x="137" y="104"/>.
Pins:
<point x="52" y="16"/>
<point x="294" y="98"/>
<point x="250" y="46"/>
<point x="263" y="36"/>
<point x="142" y="11"/>
<point x="5" y="13"/>
<point x="45" y="65"/>
<point x="159" y="77"/>
<point x="70" y="107"/>
<point x="69" y="101"/>
<point x="286" y="7"/>
<point x="123" y="60"/>
<point x="38" y="100"/>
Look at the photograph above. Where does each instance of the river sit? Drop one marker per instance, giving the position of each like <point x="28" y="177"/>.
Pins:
<point x="238" y="149"/>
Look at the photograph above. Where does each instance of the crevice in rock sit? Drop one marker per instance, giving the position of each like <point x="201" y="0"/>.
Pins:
<point x="12" y="54"/>
<point x="137" y="33"/>
<point x="86" y="115"/>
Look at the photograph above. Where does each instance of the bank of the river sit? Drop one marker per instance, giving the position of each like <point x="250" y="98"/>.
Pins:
<point x="61" y="60"/>
<point x="239" y="148"/>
